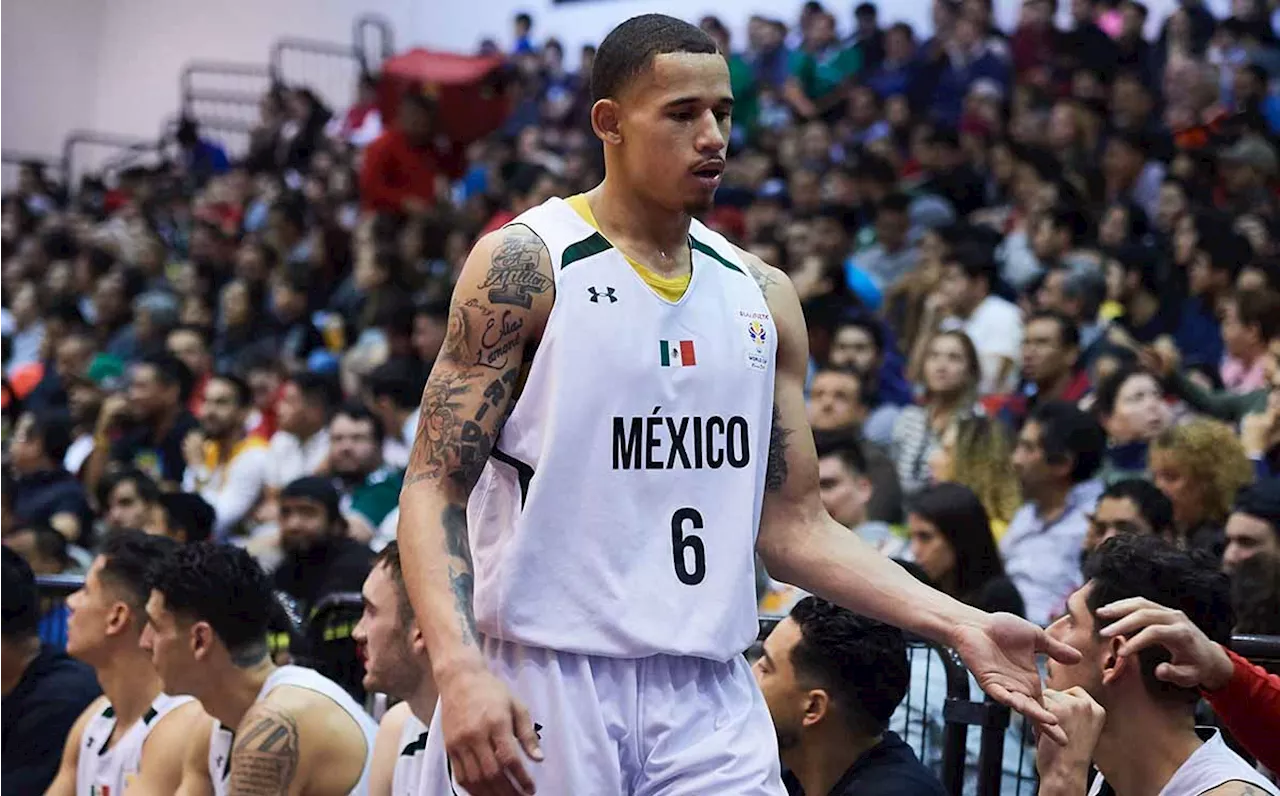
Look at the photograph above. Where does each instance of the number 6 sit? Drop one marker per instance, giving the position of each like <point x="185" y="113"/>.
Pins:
<point x="680" y="543"/>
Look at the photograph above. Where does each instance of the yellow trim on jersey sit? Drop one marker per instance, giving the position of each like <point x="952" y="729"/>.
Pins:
<point x="671" y="288"/>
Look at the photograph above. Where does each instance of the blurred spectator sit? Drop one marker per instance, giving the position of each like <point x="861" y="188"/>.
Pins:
<point x="859" y="343"/>
<point x="24" y="327"/>
<point x="1200" y="466"/>
<point x="1130" y="406"/>
<point x="847" y="489"/>
<point x="1050" y="366"/>
<point x="429" y="323"/>
<point x="1059" y="450"/>
<point x="190" y="344"/>
<point x="43" y="690"/>
<point x="992" y="323"/>
<point x="891" y="256"/>
<point x="370" y="487"/>
<point x="1132" y="505"/>
<point x="44" y="550"/>
<point x="1077" y="296"/>
<point x="975" y="452"/>
<point x="301" y="445"/>
<point x="1249" y="320"/>
<point x="393" y="392"/>
<point x="821" y="70"/>
<point x="1253" y="528"/>
<point x="128" y="499"/>
<point x="831" y="680"/>
<point x="362" y="123"/>
<point x="401" y="167"/>
<point x="950" y="375"/>
<point x="320" y="557"/>
<point x="44" y="492"/>
<point x="200" y="158"/>
<point x="523" y="26"/>
<point x="835" y="399"/>
<point x="184" y="517"/>
<point x="226" y="466"/>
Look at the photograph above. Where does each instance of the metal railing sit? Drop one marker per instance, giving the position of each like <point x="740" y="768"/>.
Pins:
<point x="329" y="70"/>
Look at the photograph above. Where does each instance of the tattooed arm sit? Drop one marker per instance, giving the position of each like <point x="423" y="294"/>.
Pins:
<point x="500" y="306"/>
<point x="800" y="543"/>
<point x="264" y="760"/>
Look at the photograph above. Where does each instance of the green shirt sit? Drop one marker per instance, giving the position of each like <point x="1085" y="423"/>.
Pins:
<point x="746" y="94"/>
<point x="823" y="73"/>
<point x="378" y="495"/>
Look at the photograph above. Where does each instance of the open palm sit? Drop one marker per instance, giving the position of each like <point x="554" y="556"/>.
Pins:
<point x="1001" y="653"/>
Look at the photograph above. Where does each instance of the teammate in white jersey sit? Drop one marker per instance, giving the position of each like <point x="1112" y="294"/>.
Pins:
<point x="274" y="729"/>
<point x="395" y="664"/>
<point x="132" y="736"/>
<point x="579" y="516"/>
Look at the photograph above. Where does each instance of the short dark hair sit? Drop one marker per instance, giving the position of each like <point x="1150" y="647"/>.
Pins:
<point x="400" y="380"/>
<point x="433" y="308"/>
<point x="244" y="395"/>
<point x="224" y="586"/>
<point x="1070" y="218"/>
<point x="145" y="484"/>
<point x="976" y="261"/>
<point x="1135" y="258"/>
<point x="20" y="602"/>
<point x="862" y="664"/>
<point x="1151" y="503"/>
<point x="49" y="543"/>
<point x="53" y="428"/>
<point x="523" y="18"/>
<point x="360" y="413"/>
<point x="960" y="516"/>
<point x="1260" y="308"/>
<point x="1261" y="499"/>
<point x="629" y="50"/>
<point x="1108" y="390"/>
<point x="1132" y="565"/>
<point x="1066" y="431"/>
<point x="844" y="445"/>
<point x="319" y="388"/>
<point x="127" y="560"/>
<point x="868" y="324"/>
<point x="389" y="557"/>
<point x="201" y="333"/>
<point x="189" y="513"/>
<point x="1068" y="332"/>
<point x="171" y="373"/>
<point x="895" y="202"/>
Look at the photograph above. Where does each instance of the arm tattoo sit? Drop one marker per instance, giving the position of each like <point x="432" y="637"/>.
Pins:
<point x="265" y="759"/>
<point x="764" y="278"/>
<point x="514" y="275"/>
<point x="461" y="580"/>
<point x="776" y="468"/>
<point x="438" y="426"/>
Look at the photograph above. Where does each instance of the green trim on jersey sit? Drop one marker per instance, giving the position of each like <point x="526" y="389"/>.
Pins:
<point x="710" y="252"/>
<point x="583" y="249"/>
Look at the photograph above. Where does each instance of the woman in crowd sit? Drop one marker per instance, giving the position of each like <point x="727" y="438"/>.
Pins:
<point x="952" y="542"/>
<point x="976" y="452"/>
<point x="1200" y="466"/>
<point x="1130" y="406"/>
<point x="950" y="381"/>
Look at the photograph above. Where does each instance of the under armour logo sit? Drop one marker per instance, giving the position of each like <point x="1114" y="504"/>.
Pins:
<point x="596" y="294"/>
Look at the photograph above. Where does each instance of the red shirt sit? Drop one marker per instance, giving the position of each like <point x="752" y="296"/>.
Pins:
<point x="1249" y="705"/>
<point x="395" y="170"/>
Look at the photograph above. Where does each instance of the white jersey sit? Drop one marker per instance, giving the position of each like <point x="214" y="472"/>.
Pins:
<point x="618" y="512"/>
<point x="222" y="739"/>
<point x="1208" y="767"/>
<point x="408" y="777"/>
<point x="104" y="770"/>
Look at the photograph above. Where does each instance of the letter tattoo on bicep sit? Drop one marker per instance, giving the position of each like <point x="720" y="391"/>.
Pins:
<point x="776" y="468"/>
<point x="514" y="272"/>
<point x="265" y="759"/>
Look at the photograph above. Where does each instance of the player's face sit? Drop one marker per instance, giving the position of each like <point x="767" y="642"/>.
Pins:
<point x="89" y="613"/>
<point x="787" y="701"/>
<point x="389" y="663"/>
<point x="1076" y="627"/>
<point x="673" y="129"/>
<point x="167" y="638"/>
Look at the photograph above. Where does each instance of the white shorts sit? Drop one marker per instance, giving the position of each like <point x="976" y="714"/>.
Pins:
<point x="657" y="726"/>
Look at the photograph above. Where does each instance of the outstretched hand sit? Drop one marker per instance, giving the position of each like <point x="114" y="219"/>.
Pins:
<point x="1001" y="651"/>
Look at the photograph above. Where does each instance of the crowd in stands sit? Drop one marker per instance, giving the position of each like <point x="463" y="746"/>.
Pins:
<point x="1040" y="269"/>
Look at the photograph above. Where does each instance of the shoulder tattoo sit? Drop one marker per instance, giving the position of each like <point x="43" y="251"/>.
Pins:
<point x="514" y="275"/>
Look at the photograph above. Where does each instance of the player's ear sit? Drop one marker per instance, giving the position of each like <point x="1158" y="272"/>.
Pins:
<point x="817" y="706"/>
<point x="416" y="641"/>
<point x="118" y="617"/>
<point x="1114" y="665"/>
<point x="605" y="121"/>
<point x="201" y="640"/>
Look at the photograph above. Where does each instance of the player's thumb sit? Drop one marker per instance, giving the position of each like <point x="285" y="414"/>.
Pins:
<point x="526" y="733"/>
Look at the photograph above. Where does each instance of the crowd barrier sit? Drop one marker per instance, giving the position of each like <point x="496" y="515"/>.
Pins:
<point x="323" y="641"/>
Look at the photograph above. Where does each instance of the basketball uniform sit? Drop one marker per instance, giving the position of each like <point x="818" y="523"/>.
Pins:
<point x="613" y="528"/>
<point x="411" y="752"/>
<point x="104" y="770"/>
<point x="221" y="740"/>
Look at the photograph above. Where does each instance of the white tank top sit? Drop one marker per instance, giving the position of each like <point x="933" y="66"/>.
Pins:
<point x="1208" y="767"/>
<point x="107" y="771"/>
<point x="411" y="754"/>
<point x="618" y="512"/>
<point x="222" y="739"/>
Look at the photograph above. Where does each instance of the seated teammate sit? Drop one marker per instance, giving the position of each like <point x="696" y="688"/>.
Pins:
<point x="395" y="663"/>
<point x="134" y="735"/>
<point x="275" y="729"/>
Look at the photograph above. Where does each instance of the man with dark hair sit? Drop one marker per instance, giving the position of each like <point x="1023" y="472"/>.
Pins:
<point x="835" y="399"/>
<point x="1077" y="295"/>
<point x="860" y="343"/>
<point x="226" y="466"/>
<point x="290" y="292"/>
<point x="396" y="664"/>
<point x="1134" y="274"/>
<point x="1253" y="529"/>
<point x="892" y="256"/>
<point x="847" y="483"/>
<point x="370" y="487"/>
<point x="191" y="345"/>
<point x="320" y="558"/>
<point x="994" y="325"/>
<point x="1149" y="741"/>
<point x="44" y="492"/>
<point x="400" y="168"/>
<point x="831" y="680"/>
<point x="42" y="691"/>
<point x="1133" y="505"/>
<point x="392" y="393"/>
<point x="659" y="323"/>
<point x="1059" y="233"/>
<point x="152" y="419"/>
<point x="301" y="444"/>
<point x="184" y="518"/>
<point x="429" y="319"/>
<point x="128" y="499"/>
<point x="1050" y="367"/>
<point x="44" y="549"/>
<point x="273" y="726"/>
<point x="1057" y="454"/>
<point x="134" y="735"/>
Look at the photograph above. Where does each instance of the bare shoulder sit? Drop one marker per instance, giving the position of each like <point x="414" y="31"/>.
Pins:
<point x="767" y="276"/>
<point x="511" y="266"/>
<point x="179" y="725"/>
<point x="784" y="304"/>
<point x="394" y="719"/>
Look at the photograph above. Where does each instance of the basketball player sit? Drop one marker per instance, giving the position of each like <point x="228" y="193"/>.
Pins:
<point x="133" y="735"/>
<point x="275" y="729"/>
<point x="580" y="511"/>
<point x="395" y="663"/>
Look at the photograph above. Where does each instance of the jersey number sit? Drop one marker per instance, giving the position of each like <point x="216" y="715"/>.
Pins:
<point x="681" y="544"/>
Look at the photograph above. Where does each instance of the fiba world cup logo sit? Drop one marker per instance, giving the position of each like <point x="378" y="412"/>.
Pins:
<point x="756" y="331"/>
